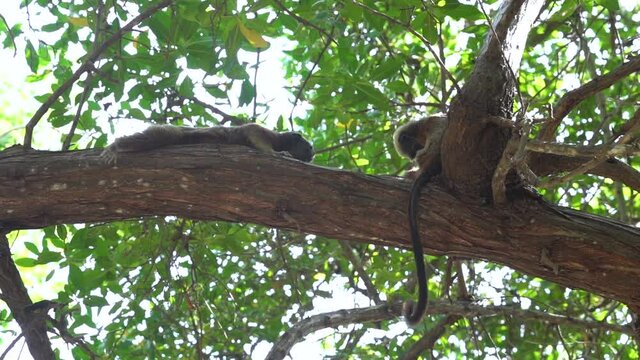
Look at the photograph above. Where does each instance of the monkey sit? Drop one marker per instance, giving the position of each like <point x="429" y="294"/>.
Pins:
<point x="290" y="144"/>
<point x="420" y="141"/>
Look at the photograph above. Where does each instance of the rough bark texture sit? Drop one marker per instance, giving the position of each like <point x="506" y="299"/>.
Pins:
<point x="472" y="148"/>
<point x="14" y="293"/>
<point x="237" y="184"/>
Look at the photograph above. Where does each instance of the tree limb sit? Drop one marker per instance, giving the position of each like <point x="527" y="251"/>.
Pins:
<point x="428" y="341"/>
<point x="548" y="164"/>
<point x="548" y="147"/>
<point x="471" y="147"/>
<point x="235" y="184"/>
<point x="15" y="295"/>
<point x="453" y="312"/>
<point x="598" y="160"/>
<point x="574" y="97"/>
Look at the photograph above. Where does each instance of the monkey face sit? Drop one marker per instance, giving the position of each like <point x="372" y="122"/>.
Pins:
<point x="411" y="138"/>
<point x="298" y="146"/>
<point x="410" y="145"/>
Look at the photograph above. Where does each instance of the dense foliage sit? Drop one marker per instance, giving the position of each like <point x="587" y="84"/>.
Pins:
<point x="179" y="288"/>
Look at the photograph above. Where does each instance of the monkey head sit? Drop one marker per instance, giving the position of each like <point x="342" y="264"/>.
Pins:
<point x="296" y="145"/>
<point x="414" y="136"/>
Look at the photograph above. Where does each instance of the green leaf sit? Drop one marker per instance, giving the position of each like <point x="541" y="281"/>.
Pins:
<point x="247" y="93"/>
<point x="32" y="247"/>
<point x="137" y="114"/>
<point x="390" y="67"/>
<point x="611" y="5"/>
<point x="362" y="162"/>
<point x="61" y="231"/>
<point x="53" y="26"/>
<point x="186" y="88"/>
<point x="57" y="242"/>
<point x="457" y="11"/>
<point x="77" y="278"/>
<point x="31" y="55"/>
<point x="233" y="39"/>
<point x="215" y="91"/>
<point x="26" y="262"/>
<point x="49" y="257"/>
<point x="95" y="301"/>
<point x="372" y="95"/>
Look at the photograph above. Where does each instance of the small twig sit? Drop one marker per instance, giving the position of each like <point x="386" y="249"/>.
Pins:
<point x="348" y="146"/>
<point x="86" y="66"/>
<point x="574" y="97"/>
<point x="70" y="339"/>
<point x="83" y="98"/>
<point x="416" y="34"/>
<point x="100" y="20"/>
<point x="306" y="78"/>
<point x="372" y="292"/>
<point x="488" y="335"/>
<point x="255" y="87"/>
<point x="463" y="292"/>
<point x="391" y="310"/>
<point x="552" y="80"/>
<point x="305" y="22"/>
<point x="234" y="120"/>
<point x="13" y="343"/>
<point x="498" y="186"/>
<point x="554" y="181"/>
<point x="606" y="153"/>
<point x="443" y="75"/>
<point x="416" y="103"/>
<point x="345" y="143"/>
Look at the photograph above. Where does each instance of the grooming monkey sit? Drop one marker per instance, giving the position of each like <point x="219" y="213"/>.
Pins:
<point x="420" y="141"/>
<point x="290" y="144"/>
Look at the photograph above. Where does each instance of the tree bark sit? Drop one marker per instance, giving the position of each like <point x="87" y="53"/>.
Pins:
<point x="472" y="148"/>
<point x="14" y="293"/>
<point x="233" y="183"/>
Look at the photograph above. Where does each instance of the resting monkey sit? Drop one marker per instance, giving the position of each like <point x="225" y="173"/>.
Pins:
<point x="290" y="144"/>
<point x="420" y="141"/>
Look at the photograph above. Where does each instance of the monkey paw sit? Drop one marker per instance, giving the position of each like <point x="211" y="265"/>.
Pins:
<point x="284" y="153"/>
<point x="109" y="156"/>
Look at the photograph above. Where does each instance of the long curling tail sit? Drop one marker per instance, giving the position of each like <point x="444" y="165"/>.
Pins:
<point x="413" y="312"/>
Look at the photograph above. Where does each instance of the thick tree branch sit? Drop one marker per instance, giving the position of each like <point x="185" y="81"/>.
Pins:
<point x="15" y="295"/>
<point x="549" y="164"/>
<point x="548" y="147"/>
<point x="574" y="97"/>
<point x="490" y="84"/>
<point x="453" y="312"/>
<point x="598" y="160"/>
<point x="334" y="319"/>
<point x="428" y="341"/>
<point x="471" y="147"/>
<point x="237" y="184"/>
